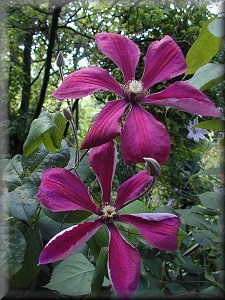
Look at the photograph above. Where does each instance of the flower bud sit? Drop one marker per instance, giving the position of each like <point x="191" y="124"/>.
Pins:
<point x="152" y="166"/>
<point x="60" y="60"/>
<point x="67" y="114"/>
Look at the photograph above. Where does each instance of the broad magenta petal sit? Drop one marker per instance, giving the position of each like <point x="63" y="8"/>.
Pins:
<point x="144" y="136"/>
<point x="183" y="96"/>
<point x="68" y="241"/>
<point x="60" y="190"/>
<point x="121" y="50"/>
<point x="164" y="60"/>
<point x="85" y="82"/>
<point x="131" y="188"/>
<point x="123" y="264"/>
<point x="103" y="162"/>
<point x="159" y="229"/>
<point x="107" y="124"/>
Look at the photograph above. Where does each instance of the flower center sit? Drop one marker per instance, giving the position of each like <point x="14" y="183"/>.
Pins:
<point x="108" y="212"/>
<point x="135" y="86"/>
<point x="134" y="90"/>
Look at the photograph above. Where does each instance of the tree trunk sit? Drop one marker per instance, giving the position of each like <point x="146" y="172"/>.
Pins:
<point x="52" y="35"/>
<point x="26" y="89"/>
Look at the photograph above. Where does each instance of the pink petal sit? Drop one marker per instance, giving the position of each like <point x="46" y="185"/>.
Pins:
<point x="121" y="50"/>
<point x="123" y="264"/>
<point x="144" y="136"/>
<point x="164" y="60"/>
<point x="85" y="82"/>
<point x="159" y="229"/>
<point x="131" y="188"/>
<point x="68" y="241"/>
<point x="185" y="97"/>
<point x="107" y="124"/>
<point x="103" y="162"/>
<point x="60" y="190"/>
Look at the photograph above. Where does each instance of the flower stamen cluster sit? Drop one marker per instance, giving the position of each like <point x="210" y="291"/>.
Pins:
<point x="108" y="213"/>
<point x="134" y="91"/>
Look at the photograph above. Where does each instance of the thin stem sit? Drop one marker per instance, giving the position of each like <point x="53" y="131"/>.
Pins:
<point x="77" y="157"/>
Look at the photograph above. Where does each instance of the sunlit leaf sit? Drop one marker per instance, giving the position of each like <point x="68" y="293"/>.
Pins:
<point x="204" y="48"/>
<point x="218" y="125"/>
<point x="207" y="76"/>
<point x="47" y="129"/>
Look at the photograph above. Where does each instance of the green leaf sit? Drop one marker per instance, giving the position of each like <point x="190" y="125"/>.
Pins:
<point x="12" y="250"/>
<point x="218" y="125"/>
<point x="203" y="237"/>
<point x="98" y="241"/>
<point x="204" y="48"/>
<point x="135" y="207"/>
<point x="13" y="173"/>
<point x="99" y="273"/>
<point x="193" y="219"/>
<point x="207" y="76"/>
<point x="49" y="228"/>
<point x="72" y="276"/>
<point x="180" y="237"/>
<point x="46" y="129"/>
<point x="84" y="167"/>
<point x="216" y="27"/>
<point x="212" y="171"/>
<point x="67" y="217"/>
<point x="153" y="265"/>
<point x="41" y="159"/>
<point x="212" y="292"/>
<point x="176" y="288"/>
<point x="27" y="274"/>
<point x="21" y="202"/>
<point x="213" y="200"/>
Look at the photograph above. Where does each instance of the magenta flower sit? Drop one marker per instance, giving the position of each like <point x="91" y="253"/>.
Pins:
<point x="60" y="190"/>
<point x="142" y="135"/>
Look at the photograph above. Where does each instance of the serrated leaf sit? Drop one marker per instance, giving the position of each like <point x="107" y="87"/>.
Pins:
<point x="218" y="125"/>
<point x="12" y="250"/>
<point x="213" y="200"/>
<point x="207" y="76"/>
<point x="216" y="27"/>
<point x="72" y="276"/>
<point x="13" y="172"/>
<point x="47" y="129"/>
<point x="21" y="202"/>
<point x="204" y="48"/>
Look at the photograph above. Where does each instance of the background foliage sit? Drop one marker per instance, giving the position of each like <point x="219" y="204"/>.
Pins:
<point x="192" y="177"/>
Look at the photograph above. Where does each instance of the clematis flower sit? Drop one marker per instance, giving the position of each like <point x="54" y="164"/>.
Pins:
<point x="60" y="190"/>
<point x="196" y="133"/>
<point x="142" y="135"/>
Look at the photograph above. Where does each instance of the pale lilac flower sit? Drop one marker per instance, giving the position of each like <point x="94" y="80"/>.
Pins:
<point x="60" y="190"/>
<point x="196" y="133"/>
<point x="142" y="135"/>
<point x="170" y="203"/>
